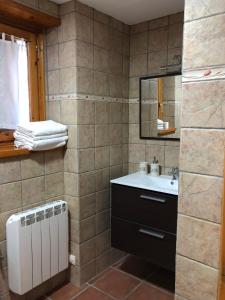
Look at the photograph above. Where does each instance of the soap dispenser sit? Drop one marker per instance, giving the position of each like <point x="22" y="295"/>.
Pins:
<point x="155" y="167"/>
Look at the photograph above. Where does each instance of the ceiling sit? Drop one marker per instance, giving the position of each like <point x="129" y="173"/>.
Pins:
<point x="134" y="11"/>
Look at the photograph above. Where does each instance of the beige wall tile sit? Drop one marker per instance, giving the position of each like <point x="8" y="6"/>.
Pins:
<point x="52" y="36"/>
<point x="140" y="27"/>
<point x="32" y="165"/>
<point x="116" y="134"/>
<point x="86" y="112"/>
<point x="175" y="36"/>
<point x="87" y="229"/>
<point x="116" y="40"/>
<point x="172" y="156"/>
<point x="10" y="196"/>
<point x="74" y="207"/>
<point x="101" y="84"/>
<point x="87" y="206"/>
<point x="156" y="60"/>
<point x="210" y="32"/>
<point x="115" y="63"/>
<point x="202" y="284"/>
<point x="139" y="43"/>
<point x="9" y="170"/>
<point x="101" y="59"/>
<point x="86" y="159"/>
<point x="116" y="155"/>
<point x="102" y="200"/>
<point x="84" y="9"/>
<point x="203" y="8"/>
<point x="48" y="7"/>
<point x="67" y="7"/>
<point x="208" y="111"/>
<point x="86" y="183"/>
<point x="69" y="112"/>
<point x="87" y="251"/>
<point x="199" y="240"/>
<point x="103" y="241"/>
<point x="101" y="135"/>
<point x="53" y="82"/>
<point x="102" y="179"/>
<point x="157" y="23"/>
<point x="115" y="115"/>
<point x="101" y="35"/>
<point x="198" y="152"/>
<point x="136" y="153"/>
<point x="52" y="57"/>
<point x="67" y="54"/>
<point x="134" y="113"/>
<point x="115" y="86"/>
<point x="176" y="18"/>
<point x="3" y="219"/>
<point x="101" y="157"/>
<point x="71" y="184"/>
<point x="157" y="151"/>
<point x="101" y="112"/>
<point x="54" y="185"/>
<point x="68" y="80"/>
<point x="85" y="136"/>
<point x="138" y="65"/>
<point x="200" y="196"/>
<point x="54" y="161"/>
<point x="66" y="30"/>
<point x="84" y="81"/>
<point x="102" y="221"/>
<point x="72" y="135"/>
<point x="33" y="190"/>
<point x="101" y="17"/>
<point x="84" y="54"/>
<point x="116" y="171"/>
<point x="84" y="28"/>
<point x="53" y="110"/>
<point x="88" y="271"/>
<point x="71" y="161"/>
<point x="158" y="39"/>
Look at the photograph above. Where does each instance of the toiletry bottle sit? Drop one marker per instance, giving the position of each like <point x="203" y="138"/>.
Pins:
<point x="155" y="167"/>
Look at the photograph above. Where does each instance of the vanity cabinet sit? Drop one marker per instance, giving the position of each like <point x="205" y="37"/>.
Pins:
<point x="144" y="223"/>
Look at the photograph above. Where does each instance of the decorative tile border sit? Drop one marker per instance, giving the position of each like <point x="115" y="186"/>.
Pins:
<point x="211" y="73"/>
<point x="75" y="96"/>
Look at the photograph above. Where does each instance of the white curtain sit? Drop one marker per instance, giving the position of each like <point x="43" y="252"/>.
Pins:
<point x="14" y="94"/>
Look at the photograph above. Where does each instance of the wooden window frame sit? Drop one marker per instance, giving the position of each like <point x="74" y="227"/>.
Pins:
<point x="36" y="78"/>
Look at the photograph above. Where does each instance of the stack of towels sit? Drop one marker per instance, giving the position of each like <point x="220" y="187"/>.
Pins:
<point x="162" y="125"/>
<point x="38" y="136"/>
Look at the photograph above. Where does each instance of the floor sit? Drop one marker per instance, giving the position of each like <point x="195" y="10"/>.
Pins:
<point x="129" y="279"/>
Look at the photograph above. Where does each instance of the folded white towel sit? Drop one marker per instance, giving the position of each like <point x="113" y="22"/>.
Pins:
<point x="41" y="128"/>
<point x="18" y="134"/>
<point x="40" y="145"/>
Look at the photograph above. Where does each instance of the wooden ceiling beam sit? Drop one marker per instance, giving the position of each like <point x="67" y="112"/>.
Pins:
<point x="19" y="15"/>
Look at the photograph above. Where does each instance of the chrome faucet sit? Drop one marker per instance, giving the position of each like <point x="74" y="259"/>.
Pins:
<point x="174" y="172"/>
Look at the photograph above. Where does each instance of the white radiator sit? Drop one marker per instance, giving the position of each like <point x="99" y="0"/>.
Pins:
<point x="37" y="245"/>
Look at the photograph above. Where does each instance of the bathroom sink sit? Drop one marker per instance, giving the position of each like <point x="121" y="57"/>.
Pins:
<point x="163" y="183"/>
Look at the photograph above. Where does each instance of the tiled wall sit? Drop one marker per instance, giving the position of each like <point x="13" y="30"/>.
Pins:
<point x="88" y="63"/>
<point x="202" y="151"/>
<point x="152" y="44"/>
<point x="29" y="181"/>
<point x="46" y="6"/>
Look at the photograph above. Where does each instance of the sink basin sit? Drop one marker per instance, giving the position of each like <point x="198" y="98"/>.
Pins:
<point x="163" y="183"/>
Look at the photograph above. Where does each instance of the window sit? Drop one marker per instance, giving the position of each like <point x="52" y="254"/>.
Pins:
<point x="26" y="89"/>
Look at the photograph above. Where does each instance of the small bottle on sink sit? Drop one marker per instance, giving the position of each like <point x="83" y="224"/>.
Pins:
<point x="155" y="167"/>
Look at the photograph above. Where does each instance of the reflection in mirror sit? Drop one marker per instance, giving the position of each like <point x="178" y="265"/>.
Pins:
<point x="160" y="100"/>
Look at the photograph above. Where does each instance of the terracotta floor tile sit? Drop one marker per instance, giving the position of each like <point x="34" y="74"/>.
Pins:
<point x="116" y="284"/>
<point x="92" y="294"/>
<point x="66" y="292"/>
<point x="148" y="292"/>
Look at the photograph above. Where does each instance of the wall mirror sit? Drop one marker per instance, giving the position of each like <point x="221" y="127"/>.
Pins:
<point x="160" y="100"/>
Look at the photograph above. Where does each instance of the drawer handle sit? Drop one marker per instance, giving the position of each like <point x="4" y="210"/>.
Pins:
<point x="153" y="198"/>
<point x="152" y="233"/>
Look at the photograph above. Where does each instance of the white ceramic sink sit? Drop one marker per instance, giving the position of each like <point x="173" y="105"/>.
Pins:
<point x="163" y="184"/>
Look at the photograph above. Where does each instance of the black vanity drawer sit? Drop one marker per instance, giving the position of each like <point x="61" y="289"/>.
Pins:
<point x="153" y="209"/>
<point x="156" y="246"/>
